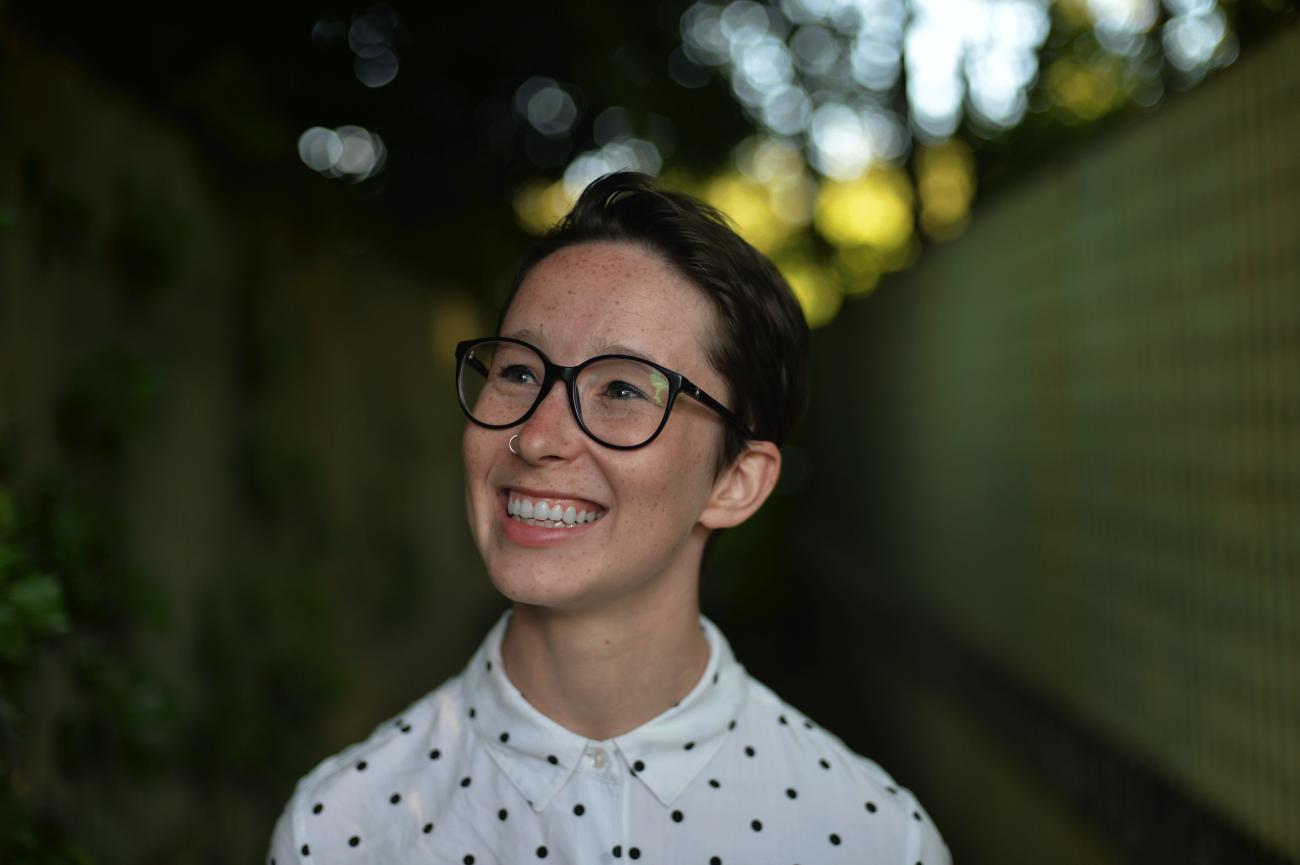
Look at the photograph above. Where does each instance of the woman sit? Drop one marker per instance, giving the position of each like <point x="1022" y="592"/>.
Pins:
<point x="647" y="365"/>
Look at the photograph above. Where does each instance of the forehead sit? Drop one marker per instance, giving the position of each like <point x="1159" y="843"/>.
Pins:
<point x="596" y="298"/>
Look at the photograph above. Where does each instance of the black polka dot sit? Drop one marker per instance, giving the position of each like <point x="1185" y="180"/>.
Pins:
<point x="808" y="725"/>
<point x="406" y="728"/>
<point x="579" y="810"/>
<point x="469" y="859"/>
<point x="822" y="762"/>
<point x="489" y="666"/>
<point x="713" y="782"/>
<point x="618" y="851"/>
<point x="792" y="792"/>
<point x="465" y="782"/>
<point x="871" y="806"/>
<point x="731" y="726"/>
<point x="835" y="839"/>
<point x="756" y="825"/>
<point x="639" y="766"/>
<point x="354" y="840"/>
<point x="395" y="798"/>
<point x="361" y="767"/>
<point x="553" y="760"/>
<point x="541" y="852"/>
<point x="782" y="719"/>
<point x="472" y="713"/>
<point x="893" y="790"/>
<point x="306" y="851"/>
<point x="678" y="816"/>
<point x="504" y="737"/>
<point x="317" y="808"/>
<point x="688" y="746"/>
<point x="503" y="814"/>
<point x="916" y="815"/>
<point x="435" y="754"/>
<point x="715" y="678"/>
<point x="634" y="853"/>
<point x="715" y="860"/>
<point x="749" y="751"/>
<point x="428" y="827"/>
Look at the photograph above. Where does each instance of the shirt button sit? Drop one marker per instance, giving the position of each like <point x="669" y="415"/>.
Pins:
<point x="599" y="759"/>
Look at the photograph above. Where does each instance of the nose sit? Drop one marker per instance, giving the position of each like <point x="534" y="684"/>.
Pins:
<point x="552" y="431"/>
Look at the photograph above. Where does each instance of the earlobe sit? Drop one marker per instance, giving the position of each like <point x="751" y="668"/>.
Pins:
<point x="743" y="486"/>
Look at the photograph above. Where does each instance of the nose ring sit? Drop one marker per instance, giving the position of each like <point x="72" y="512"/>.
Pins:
<point x="511" y="444"/>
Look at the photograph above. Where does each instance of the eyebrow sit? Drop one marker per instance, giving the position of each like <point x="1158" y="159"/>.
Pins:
<point x="536" y="337"/>
<point x="603" y="347"/>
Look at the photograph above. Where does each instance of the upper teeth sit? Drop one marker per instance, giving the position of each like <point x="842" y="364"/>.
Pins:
<point x="528" y="509"/>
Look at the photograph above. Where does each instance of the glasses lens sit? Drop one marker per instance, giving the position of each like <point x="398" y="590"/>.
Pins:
<point x="622" y="401"/>
<point x="498" y="381"/>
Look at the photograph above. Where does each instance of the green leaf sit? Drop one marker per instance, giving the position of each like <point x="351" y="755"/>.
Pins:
<point x="13" y="636"/>
<point x="37" y="602"/>
<point x="11" y="558"/>
<point x="8" y="513"/>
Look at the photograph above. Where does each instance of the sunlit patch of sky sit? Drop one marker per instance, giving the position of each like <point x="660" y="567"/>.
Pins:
<point x="805" y="68"/>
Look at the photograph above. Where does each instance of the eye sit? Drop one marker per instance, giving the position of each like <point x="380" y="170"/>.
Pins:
<point x="622" y="390"/>
<point x="517" y="374"/>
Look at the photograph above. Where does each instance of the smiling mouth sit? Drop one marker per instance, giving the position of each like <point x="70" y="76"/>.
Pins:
<point x="550" y="513"/>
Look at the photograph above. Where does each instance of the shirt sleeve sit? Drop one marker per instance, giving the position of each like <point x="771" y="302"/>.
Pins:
<point x="925" y="846"/>
<point x="286" y="847"/>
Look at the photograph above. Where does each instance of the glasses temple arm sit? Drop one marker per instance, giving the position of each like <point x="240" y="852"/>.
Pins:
<point x="696" y="393"/>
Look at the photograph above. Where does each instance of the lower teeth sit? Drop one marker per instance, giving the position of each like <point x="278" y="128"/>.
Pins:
<point x="546" y="525"/>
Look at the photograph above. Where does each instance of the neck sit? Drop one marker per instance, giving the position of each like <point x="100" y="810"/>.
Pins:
<point x="603" y="673"/>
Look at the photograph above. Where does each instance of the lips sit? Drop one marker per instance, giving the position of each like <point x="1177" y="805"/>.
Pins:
<point x="553" y="497"/>
<point x="545" y="518"/>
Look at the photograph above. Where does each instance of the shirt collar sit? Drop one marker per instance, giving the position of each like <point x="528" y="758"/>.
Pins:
<point x="538" y="755"/>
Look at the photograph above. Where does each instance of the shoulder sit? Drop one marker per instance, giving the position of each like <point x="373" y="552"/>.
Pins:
<point x="862" y="802"/>
<point x="357" y="782"/>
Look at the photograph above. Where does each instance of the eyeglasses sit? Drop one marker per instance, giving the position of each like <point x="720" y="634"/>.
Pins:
<point x="620" y="401"/>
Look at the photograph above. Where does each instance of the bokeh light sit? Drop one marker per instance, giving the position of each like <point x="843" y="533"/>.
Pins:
<point x="873" y="210"/>
<point x="375" y="39"/>
<point x="539" y="205"/>
<point x="814" y="286"/>
<point x="348" y="152"/>
<point x="945" y="185"/>
<point x="862" y="109"/>
<point x="624" y="153"/>
<point x="548" y="107"/>
<point x="826" y="70"/>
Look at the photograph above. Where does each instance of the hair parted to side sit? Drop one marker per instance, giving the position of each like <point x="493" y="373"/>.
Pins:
<point x="760" y="345"/>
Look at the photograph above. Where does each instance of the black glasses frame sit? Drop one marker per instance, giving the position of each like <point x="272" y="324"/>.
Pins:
<point x="677" y="383"/>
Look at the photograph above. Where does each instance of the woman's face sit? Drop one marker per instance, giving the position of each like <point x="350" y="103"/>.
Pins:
<point x="581" y="301"/>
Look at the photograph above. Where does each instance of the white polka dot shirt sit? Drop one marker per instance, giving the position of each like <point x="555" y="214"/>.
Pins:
<point x="472" y="774"/>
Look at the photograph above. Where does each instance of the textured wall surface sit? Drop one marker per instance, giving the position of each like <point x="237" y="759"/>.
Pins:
<point x="264" y="404"/>
<point x="1079" y="437"/>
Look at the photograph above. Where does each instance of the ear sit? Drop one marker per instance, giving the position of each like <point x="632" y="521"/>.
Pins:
<point x="743" y="486"/>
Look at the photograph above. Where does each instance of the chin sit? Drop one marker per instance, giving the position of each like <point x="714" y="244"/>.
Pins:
<point x="526" y="583"/>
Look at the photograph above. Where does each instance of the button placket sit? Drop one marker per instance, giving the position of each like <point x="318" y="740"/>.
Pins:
<point x="599" y="759"/>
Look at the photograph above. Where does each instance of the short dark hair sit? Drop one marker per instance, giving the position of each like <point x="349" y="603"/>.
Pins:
<point x="761" y="342"/>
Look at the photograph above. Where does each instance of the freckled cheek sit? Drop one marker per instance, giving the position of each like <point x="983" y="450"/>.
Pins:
<point x="475" y="458"/>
